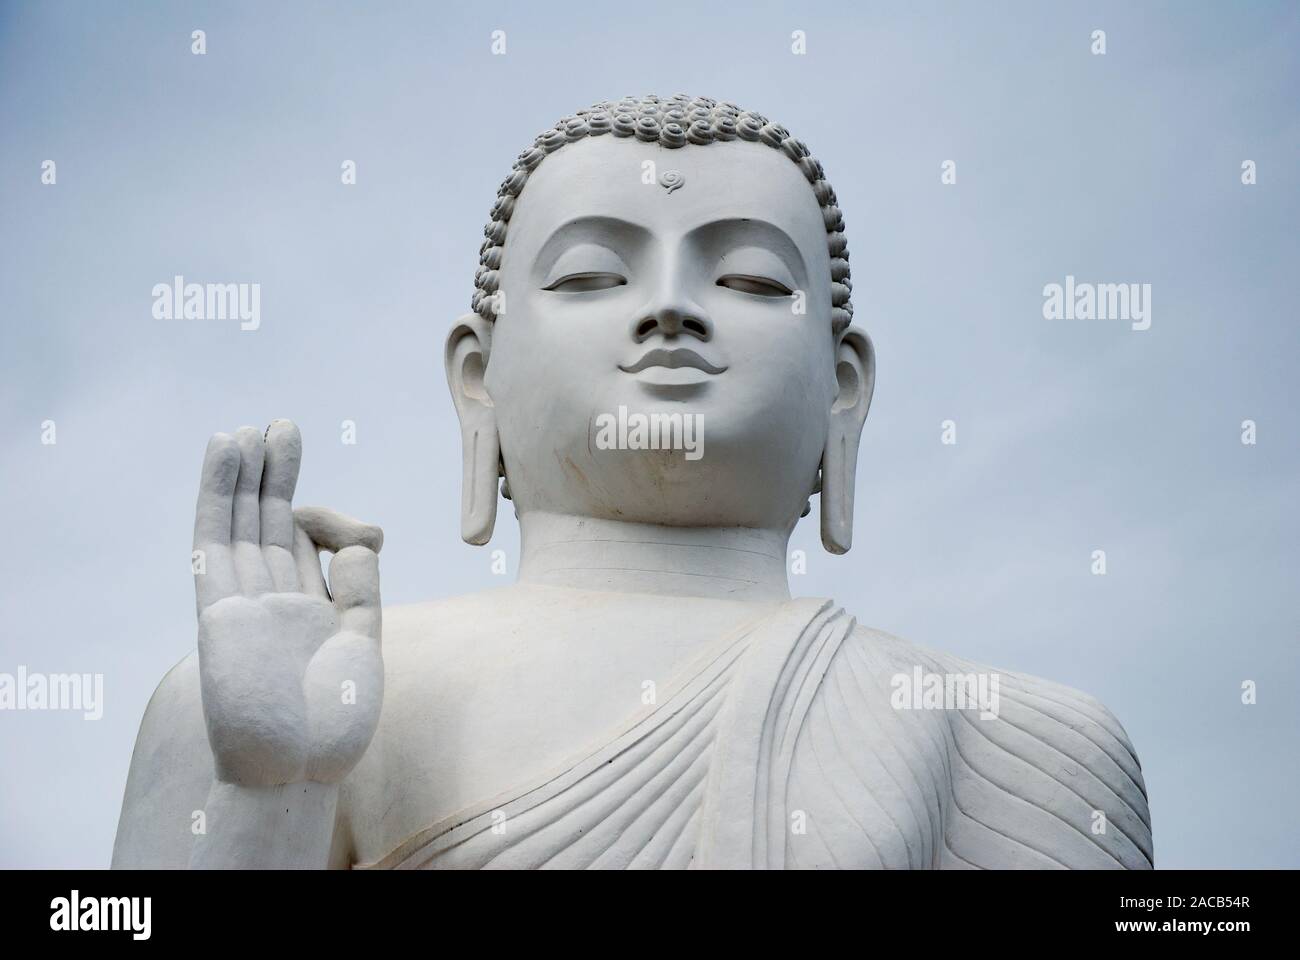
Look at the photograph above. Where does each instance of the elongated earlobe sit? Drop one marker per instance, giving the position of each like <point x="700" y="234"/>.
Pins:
<point x="855" y="369"/>
<point x="468" y="346"/>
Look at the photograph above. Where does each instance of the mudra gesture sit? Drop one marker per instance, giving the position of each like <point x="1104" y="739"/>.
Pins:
<point x="648" y="694"/>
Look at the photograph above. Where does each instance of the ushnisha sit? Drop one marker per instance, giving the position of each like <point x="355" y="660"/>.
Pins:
<point x="647" y="694"/>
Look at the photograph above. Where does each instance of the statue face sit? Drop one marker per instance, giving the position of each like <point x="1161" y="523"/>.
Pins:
<point x="624" y="298"/>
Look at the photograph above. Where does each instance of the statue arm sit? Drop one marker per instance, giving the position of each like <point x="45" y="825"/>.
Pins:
<point x="174" y="808"/>
<point x="276" y="827"/>
<point x="170" y="774"/>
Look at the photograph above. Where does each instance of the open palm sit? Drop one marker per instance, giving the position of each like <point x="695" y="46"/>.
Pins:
<point x="291" y="671"/>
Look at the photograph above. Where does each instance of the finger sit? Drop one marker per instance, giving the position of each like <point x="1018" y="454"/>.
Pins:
<point x="275" y="506"/>
<point x="214" y="570"/>
<point x="306" y="557"/>
<point x="331" y="530"/>
<point x="354" y="582"/>
<point x="245" y="532"/>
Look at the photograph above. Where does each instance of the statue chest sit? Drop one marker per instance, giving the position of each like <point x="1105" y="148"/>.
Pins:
<point x="750" y="759"/>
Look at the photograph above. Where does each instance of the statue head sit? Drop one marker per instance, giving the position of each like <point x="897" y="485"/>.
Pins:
<point x="661" y="328"/>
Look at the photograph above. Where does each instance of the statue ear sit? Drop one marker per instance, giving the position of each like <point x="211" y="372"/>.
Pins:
<point x="855" y="369"/>
<point x="468" y="346"/>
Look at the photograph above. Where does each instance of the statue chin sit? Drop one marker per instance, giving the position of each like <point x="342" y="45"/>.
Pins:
<point x="731" y="453"/>
<point x="707" y="482"/>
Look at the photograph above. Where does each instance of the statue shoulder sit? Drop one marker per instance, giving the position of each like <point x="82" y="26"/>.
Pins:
<point x="1042" y="704"/>
<point x="967" y="765"/>
<point x="1061" y="767"/>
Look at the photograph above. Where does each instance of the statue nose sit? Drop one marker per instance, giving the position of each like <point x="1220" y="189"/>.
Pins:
<point x="672" y="320"/>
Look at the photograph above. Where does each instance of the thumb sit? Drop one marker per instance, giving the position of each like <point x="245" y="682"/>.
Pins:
<point x="354" y="570"/>
<point x="354" y="583"/>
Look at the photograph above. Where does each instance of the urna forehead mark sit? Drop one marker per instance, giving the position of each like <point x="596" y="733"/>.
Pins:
<point x="672" y="180"/>
<point x="673" y="123"/>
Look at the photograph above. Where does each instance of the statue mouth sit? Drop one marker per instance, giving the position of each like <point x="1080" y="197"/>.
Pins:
<point x="673" y="360"/>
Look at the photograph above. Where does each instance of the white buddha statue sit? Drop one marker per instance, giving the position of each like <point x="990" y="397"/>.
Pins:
<point x="661" y="364"/>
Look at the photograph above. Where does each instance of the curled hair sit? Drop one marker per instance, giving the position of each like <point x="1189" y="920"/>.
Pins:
<point x="671" y="122"/>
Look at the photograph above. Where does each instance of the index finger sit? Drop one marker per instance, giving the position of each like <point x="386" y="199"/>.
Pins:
<point x="334" y="531"/>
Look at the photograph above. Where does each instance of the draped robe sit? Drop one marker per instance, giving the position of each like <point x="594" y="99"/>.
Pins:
<point x="780" y="748"/>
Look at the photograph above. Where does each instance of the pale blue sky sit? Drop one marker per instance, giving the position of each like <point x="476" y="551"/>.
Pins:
<point x="1072" y="436"/>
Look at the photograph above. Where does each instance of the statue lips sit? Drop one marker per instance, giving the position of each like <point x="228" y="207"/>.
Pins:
<point x="673" y="374"/>
<point x="673" y="360"/>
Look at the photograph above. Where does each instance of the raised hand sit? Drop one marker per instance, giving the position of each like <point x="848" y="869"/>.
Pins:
<point x="291" y="672"/>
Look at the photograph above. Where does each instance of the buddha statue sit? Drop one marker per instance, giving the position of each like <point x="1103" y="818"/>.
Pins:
<point x="661" y="364"/>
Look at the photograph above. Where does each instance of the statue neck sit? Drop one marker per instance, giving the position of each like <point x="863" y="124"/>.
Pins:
<point x="725" y="563"/>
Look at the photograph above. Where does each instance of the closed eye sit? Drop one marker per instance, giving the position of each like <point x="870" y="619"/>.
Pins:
<point x="760" y="286"/>
<point x="586" y="282"/>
